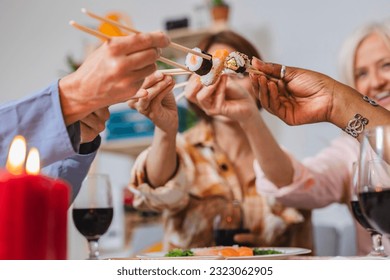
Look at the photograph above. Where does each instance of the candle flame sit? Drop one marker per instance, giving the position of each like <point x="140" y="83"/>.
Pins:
<point x="17" y="155"/>
<point x="33" y="165"/>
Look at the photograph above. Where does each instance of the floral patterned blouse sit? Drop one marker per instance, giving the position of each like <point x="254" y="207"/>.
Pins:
<point x="201" y="188"/>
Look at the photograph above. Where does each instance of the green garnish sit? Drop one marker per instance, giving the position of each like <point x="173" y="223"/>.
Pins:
<point x="257" y="252"/>
<point x="179" y="253"/>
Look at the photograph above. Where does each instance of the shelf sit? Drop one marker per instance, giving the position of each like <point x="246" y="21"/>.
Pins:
<point x="128" y="146"/>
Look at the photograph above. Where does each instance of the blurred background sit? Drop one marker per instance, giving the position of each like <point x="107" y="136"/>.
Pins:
<point x="37" y="42"/>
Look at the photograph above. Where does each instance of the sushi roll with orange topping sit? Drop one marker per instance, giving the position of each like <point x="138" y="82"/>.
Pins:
<point x="211" y="77"/>
<point x="197" y="64"/>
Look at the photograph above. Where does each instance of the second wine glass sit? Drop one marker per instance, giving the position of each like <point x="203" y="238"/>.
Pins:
<point x="93" y="211"/>
<point x="377" y="247"/>
<point x="374" y="178"/>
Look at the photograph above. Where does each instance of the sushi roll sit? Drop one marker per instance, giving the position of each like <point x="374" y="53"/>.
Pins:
<point x="219" y="58"/>
<point x="237" y="62"/>
<point x="197" y="64"/>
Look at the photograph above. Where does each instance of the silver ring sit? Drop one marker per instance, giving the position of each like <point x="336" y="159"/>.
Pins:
<point x="283" y="72"/>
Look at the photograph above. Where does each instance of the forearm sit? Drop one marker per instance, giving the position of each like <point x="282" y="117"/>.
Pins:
<point x="274" y="162"/>
<point x="348" y="102"/>
<point x="161" y="162"/>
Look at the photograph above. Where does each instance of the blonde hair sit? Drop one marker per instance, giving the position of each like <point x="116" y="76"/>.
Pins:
<point x="350" y="45"/>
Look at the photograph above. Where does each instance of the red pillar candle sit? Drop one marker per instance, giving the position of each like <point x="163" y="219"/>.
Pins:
<point x="33" y="216"/>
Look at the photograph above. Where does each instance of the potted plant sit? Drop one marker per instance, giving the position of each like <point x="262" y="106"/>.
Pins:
<point x="220" y="10"/>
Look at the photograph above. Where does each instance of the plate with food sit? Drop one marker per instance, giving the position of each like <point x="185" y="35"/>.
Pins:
<point x="229" y="253"/>
<point x="178" y="254"/>
<point x="248" y="253"/>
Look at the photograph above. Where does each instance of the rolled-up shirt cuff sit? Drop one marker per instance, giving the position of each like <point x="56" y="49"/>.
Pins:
<point x="265" y="186"/>
<point x="90" y="147"/>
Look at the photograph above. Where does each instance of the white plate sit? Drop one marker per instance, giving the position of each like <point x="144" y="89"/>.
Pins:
<point x="286" y="251"/>
<point x="161" y="255"/>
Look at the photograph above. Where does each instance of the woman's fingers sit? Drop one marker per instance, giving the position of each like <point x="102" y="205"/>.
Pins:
<point x="192" y="88"/>
<point x="263" y="92"/>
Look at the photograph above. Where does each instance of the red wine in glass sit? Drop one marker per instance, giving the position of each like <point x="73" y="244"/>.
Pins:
<point x="92" y="222"/>
<point x="358" y="215"/>
<point x="377" y="208"/>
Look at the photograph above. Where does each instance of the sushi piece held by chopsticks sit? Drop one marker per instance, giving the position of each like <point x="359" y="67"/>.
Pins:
<point x="237" y="62"/>
<point x="198" y="64"/>
<point x="208" y="71"/>
<point x="212" y="76"/>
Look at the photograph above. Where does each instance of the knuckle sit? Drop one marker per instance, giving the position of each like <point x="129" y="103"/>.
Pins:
<point x="146" y="39"/>
<point x="113" y="47"/>
<point x="100" y="126"/>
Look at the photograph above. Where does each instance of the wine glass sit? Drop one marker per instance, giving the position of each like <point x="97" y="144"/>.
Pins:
<point x="93" y="211"/>
<point x="228" y="223"/>
<point x="377" y="248"/>
<point x="374" y="178"/>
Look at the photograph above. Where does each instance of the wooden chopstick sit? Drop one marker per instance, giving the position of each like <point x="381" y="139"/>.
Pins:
<point x="90" y="30"/>
<point x="172" y="63"/>
<point x="172" y="70"/>
<point x="179" y="85"/>
<point x="178" y="73"/>
<point x="106" y="37"/>
<point x="172" y="44"/>
<point x="175" y="72"/>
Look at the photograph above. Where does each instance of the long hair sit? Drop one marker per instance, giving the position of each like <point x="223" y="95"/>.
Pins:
<point x="351" y="44"/>
<point x="232" y="39"/>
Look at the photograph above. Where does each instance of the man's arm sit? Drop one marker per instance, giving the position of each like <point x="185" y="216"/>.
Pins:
<point x="39" y="119"/>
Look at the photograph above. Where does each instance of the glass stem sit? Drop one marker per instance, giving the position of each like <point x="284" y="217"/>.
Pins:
<point x="377" y="246"/>
<point x="93" y="249"/>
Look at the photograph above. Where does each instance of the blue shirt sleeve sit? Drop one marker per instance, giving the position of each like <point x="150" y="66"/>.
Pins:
<point x="74" y="169"/>
<point x="39" y="119"/>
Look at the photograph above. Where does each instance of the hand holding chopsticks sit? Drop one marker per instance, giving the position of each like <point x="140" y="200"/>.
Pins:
<point x="132" y="30"/>
<point x="103" y="36"/>
<point x="112" y="74"/>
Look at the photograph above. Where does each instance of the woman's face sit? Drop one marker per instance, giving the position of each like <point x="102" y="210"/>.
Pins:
<point x="372" y="69"/>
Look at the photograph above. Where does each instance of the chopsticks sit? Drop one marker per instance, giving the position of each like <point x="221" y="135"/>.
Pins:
<point x="106" y="37"/>
<point x="175" y="72"/>
<point x="172" y="44"/>
<point x="90" y="30"/>
<point x="180" y="85"/>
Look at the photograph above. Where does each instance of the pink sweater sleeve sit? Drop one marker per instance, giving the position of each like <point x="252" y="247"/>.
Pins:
<point x="319" y="180"/>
